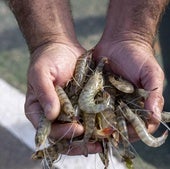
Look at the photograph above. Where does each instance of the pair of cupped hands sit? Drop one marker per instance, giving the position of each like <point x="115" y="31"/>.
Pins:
<point x="54" y="63"/>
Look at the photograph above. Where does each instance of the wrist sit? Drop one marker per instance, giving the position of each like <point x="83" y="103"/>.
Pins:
<point x="49" y="41"/>
<point x="129" y="37"/>
<point x="43" y="23"/>
<point x="136" y="19"/>
<point x="75" y="48"/>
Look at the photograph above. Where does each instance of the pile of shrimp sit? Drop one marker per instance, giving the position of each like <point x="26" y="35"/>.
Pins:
<point x="105" y="104"/>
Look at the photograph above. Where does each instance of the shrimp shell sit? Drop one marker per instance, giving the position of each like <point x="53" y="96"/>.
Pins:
<point x="81" y="69"/>
<point x="43" y="130"/>
<point x="106" y="124"/>
<point x="122" y="127"/>
<point x="67" y="110"/>
<point x="142" y="93"/>
<point x="121" y="85"/>
<point x="140" y="128"/>
<point x="89" y="125"/>
<point x="104" y="155"/>
<point x="95" y="84"/>
<point x="52" y="151"/>
<point x="165" y="116"/>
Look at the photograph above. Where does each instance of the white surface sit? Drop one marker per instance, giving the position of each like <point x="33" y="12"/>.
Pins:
<point x="12" y="114"/>
<point x="12" y="118"/>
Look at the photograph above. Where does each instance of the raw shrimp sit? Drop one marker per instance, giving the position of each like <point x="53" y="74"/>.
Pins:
<point x="52" y="153"/>
<point x="81" y="70"/>
<point x="104" y="156"/>
<point x="89" y="125"/>
<point x="95" y="84"/>
<point x="165" y="116"/>
<point x="122" y="127"/>
<point x="43" y="130"/>
<point x="107" y="122"/>
<point x="67" y="111"/>
<point x="98" y="100"/>
<point x="104" y="132"/>
<point x="140" y="128"/>
<point x="136" y="99"/>
<point x="121" y="85"/>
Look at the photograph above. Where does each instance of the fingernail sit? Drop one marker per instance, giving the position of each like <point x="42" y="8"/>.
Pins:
<point x="51" y="112"/>
<point x="47" y="109"/>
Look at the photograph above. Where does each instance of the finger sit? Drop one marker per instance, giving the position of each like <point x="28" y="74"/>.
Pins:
<point x="155" y="104"/>
<point x="46" y="95"/>
<point x="92" y="148"/>
<point x="67" y="131"/>
<point x="152" y="80"/>
<point x="32" y="107"/>
<point x="133" y="137"/>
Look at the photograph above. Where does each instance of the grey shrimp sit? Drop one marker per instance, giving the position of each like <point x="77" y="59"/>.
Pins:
<point x="122" y="127"/>
<point x="81" y="70"/>
<point x="140" y="128"/>
<point x="52" y="153"/>
<point x="89" y="125"/>
<point x="104" y="156"/>
<point x="165" y="116"/>
<point x="43" y="130"/>
<point x="67" y="110"/>
<point x="121" y="85"/>
<point x="95" y="84"/>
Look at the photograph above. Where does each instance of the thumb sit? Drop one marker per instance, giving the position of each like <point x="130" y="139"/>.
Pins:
<point x="153" y="82"/>
<point x="46" y="95"/>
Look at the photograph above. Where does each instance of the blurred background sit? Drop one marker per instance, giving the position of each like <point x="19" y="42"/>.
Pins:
<point x="89" y="18"/>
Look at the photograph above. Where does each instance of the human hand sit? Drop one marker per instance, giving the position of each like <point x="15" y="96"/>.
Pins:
<point x="134" y="60"/>
<point x="51" y="65"/>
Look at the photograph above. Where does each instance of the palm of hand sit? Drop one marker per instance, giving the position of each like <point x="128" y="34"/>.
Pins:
<point x="135" y="62"/>
<point x="54" y="65"/>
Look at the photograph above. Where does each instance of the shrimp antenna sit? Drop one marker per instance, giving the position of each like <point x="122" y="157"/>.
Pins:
<point x="65" y="133"/>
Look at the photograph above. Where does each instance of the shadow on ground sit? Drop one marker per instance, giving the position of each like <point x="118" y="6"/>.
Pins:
<point x="14" y="154"/>
<point x="157" y="157"/>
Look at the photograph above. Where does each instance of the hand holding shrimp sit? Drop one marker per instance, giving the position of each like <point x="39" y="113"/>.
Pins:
<point x="103" y="113"/>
